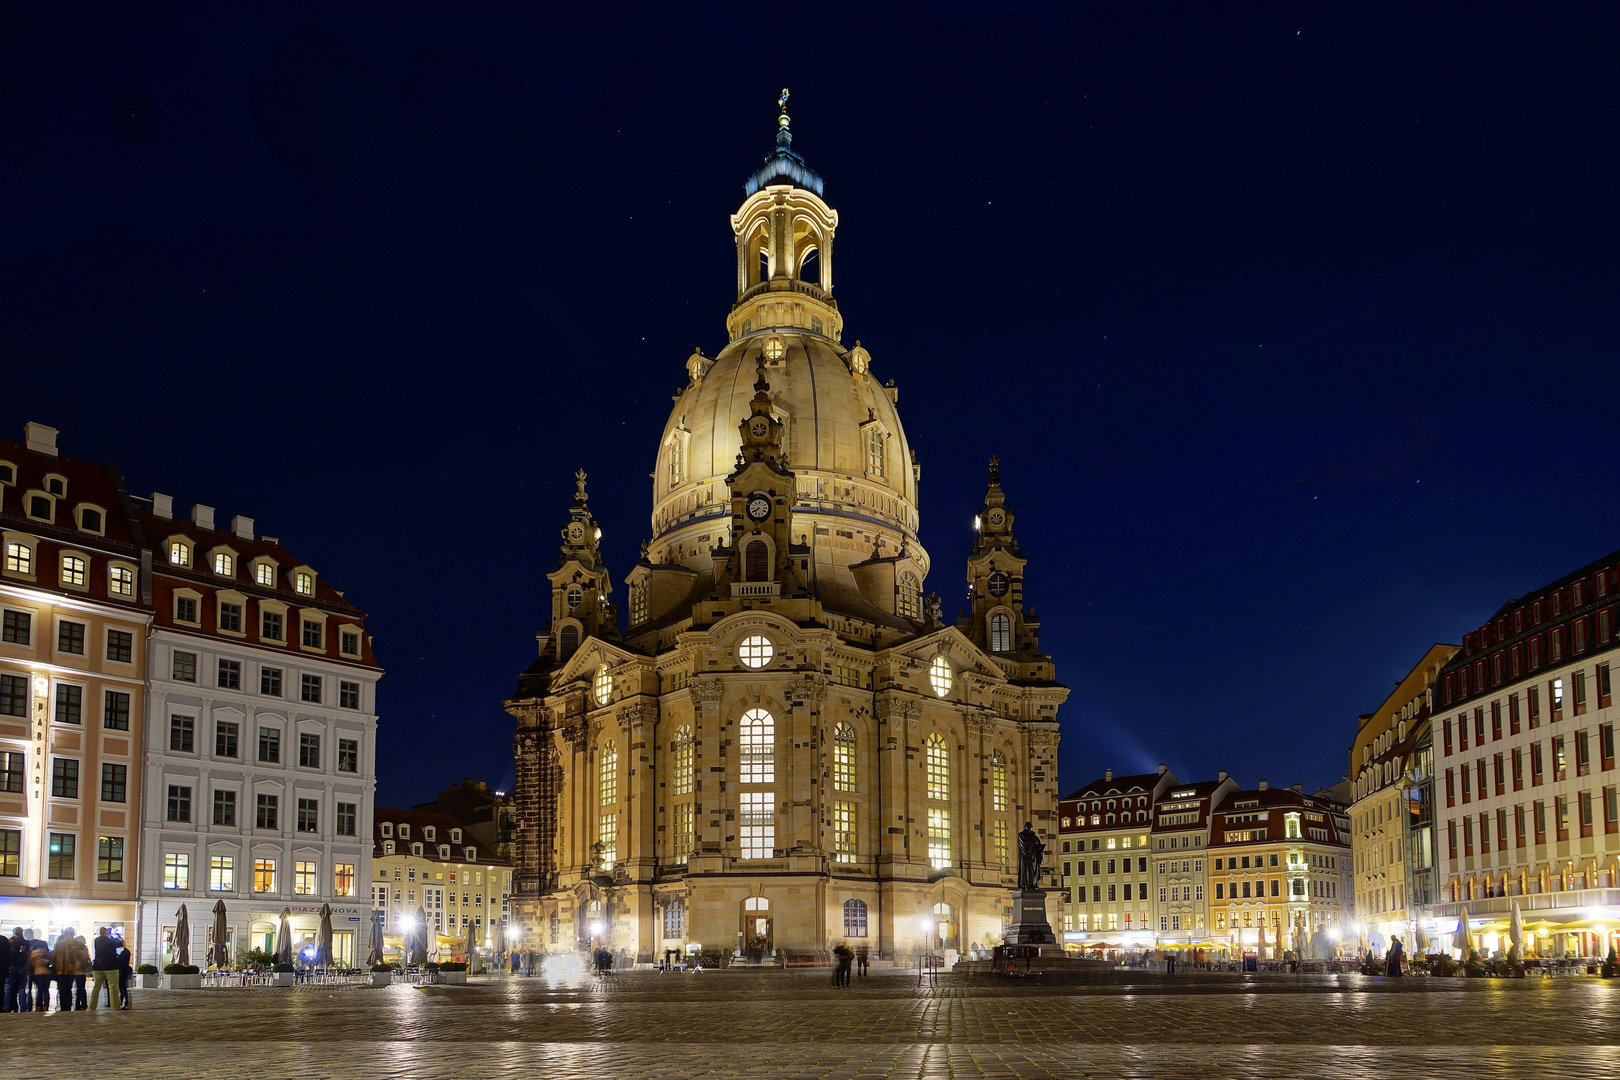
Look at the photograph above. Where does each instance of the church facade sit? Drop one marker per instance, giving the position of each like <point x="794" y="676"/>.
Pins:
<point x="786" y="746"/>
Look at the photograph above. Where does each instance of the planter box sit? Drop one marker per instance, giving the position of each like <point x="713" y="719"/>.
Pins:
<point x="284" y="978"/>
<point x="382" y="978"/>
<point x="181" y="982"/>
<point x="453" y="978"/>
<point x="151" y="982"/>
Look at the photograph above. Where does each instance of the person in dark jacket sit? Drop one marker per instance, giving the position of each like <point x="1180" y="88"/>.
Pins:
<point x="105" y="967"/>
<point x="66" y="956"/>
<point x="42" y="968"/>
<point x="126" y="971"/>
<point x="5" y="974"/>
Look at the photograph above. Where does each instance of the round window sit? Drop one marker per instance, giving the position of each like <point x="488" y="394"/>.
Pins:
<point x="755" y="651"/>
<point x="576" y="596"/>
<point x="775" y="349"/>
<point x="603" y="685"/>
<point x="939" y="674"/>
<point x="998" y="584"/>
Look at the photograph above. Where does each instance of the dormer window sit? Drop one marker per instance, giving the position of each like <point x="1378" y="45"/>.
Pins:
<point x="472" y="854"/>
<point x="179" y="553"/>
<point x="416" y="849"/>
<point x="387" y="828"/>
<point x="56" y="485"/>
<point x="90" y="520"/>
<point x="444" y="851"/>
<point x="304" y="582"/>
<point x="41" y="507"/>
<point x="74" y="568"/>
<point x="349" y="642"/>
<point x="427" y="832"/>
<point x="455" y="836"/>
<point x="264" y="573"/>
<point x="8" y="473"/>
<point x="404" y="832"/>
<point x="224" y="564"/>
<point x="388" y="847"/>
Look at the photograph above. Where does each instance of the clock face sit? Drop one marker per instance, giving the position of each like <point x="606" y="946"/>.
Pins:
<point x="997" y="518"/>
<point x="576" y="532"/>
<point x="759" y="507"/>
<point x="998" y="584"/>
<point x="760" y="428"/>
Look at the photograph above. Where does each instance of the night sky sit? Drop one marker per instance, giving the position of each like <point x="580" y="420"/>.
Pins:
<point x="1296" y="333"/>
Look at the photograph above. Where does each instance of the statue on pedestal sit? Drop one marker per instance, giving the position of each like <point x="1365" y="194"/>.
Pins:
<point x="1031" y="854"/>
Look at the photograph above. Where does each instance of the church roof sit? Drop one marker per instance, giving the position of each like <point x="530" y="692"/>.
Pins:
<point x="784" y="165"/>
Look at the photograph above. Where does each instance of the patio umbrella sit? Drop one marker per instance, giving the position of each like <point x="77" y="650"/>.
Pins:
<point x="1516" y="931"/>
<point x="1299" y="939"/>
<point x="472" y="941"/>
<point x="283" y="952"/>
<point x="1465" y="936"/>
<point x="182" y="936"/>
<point x="323" y="938"/>
<point x="418" y="939"/>
<point x="1260" y="945"/>
<point x="376" y="954"/>
<point x="219" y="954"/>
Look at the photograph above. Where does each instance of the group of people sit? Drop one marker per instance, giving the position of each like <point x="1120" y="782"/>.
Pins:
<point x="844" y="958"/>
<point x="32" y="965"/>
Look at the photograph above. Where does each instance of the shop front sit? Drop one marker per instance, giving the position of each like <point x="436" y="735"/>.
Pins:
<point x="252" y="924"/>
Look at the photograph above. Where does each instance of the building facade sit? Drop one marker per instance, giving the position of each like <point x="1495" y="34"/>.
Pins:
<point x="487" y="816"/>
<point x="1104" y="832"/>
<point x="260" y="762"/>
<point x="1182" y="822"/>
<point x="1392" y="817"/>
<point x="787" y="746"/>
<point x="1280" y="861"/>
<point x="1524" y="756"/>
<point x="73" y="652"/>
<point x="427" y="865"/>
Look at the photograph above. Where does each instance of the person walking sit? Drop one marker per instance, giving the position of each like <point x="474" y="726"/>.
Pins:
<point x="104" y="965"/>
<point x="41" y="968"/>
<point x="845" y="957"/>
<point x="66" y="957"/>
<point x="126" y="970"/>
<point x="863" y="957"/>
<point x="16" y="972"/>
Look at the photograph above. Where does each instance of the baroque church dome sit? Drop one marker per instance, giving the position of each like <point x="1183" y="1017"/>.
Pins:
<point x="855" y="475"/>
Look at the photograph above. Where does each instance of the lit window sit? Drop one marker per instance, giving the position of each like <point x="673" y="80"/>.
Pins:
<point x="775" y="349"/>
<point x="1001" y="844"/>
<point x="755" y="651"/>
<point x="265" y="574"/>
<point x="120" y="581"/>
<point x="910" y="596"/>
<point x="179" y="553"/>
<point x="844" y="757"/>
<point x="939" y="768"/>
<point x="844" y="832"/>
<point x="681" y="782"/>
<point x="304" y="878"/>
<point x="73" y="568"/>
<point x="757" y="828"/>
<point x="176" y="870"/>
<point x="683" y="832"/>
<point x="998" y="781"/>
<point x="221" y="873"/>
<point x="1000" y="633"/>
<point x="757" y="763"/>
<point x="19" y="558"/>
<point x="304" y="583"/>
<point x="638" y="603"/>
<point x="608" y="777"/>
<point x="939" y="675"/>
<point x="607" y="839"/>
<point x="224" y="564"/>
<point x="939" y="838"/>
<point x="602" y="685"/>
<point x="264" y="875"/>
<point x="343" y="879"/>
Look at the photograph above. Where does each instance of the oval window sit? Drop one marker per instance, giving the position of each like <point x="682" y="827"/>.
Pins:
<point x="939" y="675"/>
<point x="603" y="685"/>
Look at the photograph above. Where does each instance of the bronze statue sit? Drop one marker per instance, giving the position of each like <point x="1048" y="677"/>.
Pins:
<point x="1031" y="853"/>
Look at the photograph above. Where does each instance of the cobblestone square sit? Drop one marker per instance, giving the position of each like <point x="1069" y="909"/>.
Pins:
<point x="796" y="1026"/>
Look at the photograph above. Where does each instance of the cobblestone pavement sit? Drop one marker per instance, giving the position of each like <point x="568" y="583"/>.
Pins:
<point x="794" y="1026"/>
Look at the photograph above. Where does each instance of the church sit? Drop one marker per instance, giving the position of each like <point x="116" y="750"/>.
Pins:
<point x="785" y="746"/>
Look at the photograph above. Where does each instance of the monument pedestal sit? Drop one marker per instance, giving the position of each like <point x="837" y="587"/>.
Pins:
<point x="1029" y="924"/>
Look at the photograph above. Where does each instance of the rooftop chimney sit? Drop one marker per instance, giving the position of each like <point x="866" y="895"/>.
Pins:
<point x="242" y="526"/>
<point x="40" y="439"/>
<point x="203" y="516"/>
<point x="1161" y="768"/>
<point x="1300" y="788"/>
<point x="1108" y="774"/>
<point x="1262" y="785"/>
<point x="163" y="505"/>
<point x="1221" y="775"/>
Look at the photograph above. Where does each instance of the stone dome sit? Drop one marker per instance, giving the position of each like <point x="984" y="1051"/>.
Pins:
<point x="856" y="482"/>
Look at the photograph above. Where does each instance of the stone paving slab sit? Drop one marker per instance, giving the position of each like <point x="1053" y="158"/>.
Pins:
<point x="794" y="1026"/>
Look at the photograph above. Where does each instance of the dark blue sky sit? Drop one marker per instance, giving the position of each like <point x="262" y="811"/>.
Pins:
<point x="1296" y="333"/>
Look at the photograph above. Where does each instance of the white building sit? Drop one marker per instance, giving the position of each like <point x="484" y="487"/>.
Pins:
<point x="261" y="743"/>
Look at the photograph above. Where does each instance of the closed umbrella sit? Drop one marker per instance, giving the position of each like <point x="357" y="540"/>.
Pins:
<point x="418" y="939"/>
<point x="376" y="954"/>
<point x="219" y="954"/>
<point x="323" y="938"/>
<point x="472" y="941"/>
<point x="1516" y="931"/>
<point x="1299" y="939"/>
<point x="283" y="953"/>
<point x="1465" y="936"/>
<point x="1260" y="946"/>
<point x="182" y="936"/>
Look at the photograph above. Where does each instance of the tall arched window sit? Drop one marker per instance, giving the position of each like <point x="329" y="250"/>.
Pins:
<point x="608" y="785"/>
<point x="677" y="461"/>
<point x="757" y="763"/>
<point x="910" y="596"/>
<point x="854" y="918"/>
<point x="607" y="821"/>
<point x="756" y="561"/>
<point x="568" y="641"/>
<point x="875" y="450"/>
<point x="844" y="757"/>
<point x="1001" y="633"/>
<point x="638" y="603"/>
<point x="681" y="780"/>
<point x="939" y="768"/>
<point x="998" y="781"/>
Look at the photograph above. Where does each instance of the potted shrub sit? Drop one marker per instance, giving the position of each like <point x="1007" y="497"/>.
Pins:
<point x="181" y="977"/>
<point x="454" y="973"/>
<point x="1444" y="965"/>
<point x="382" y="974"/>
<point x="283" y="975"/>
<point x="148" y="977"/>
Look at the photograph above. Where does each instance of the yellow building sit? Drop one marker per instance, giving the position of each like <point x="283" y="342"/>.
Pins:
<point x="72" y="692"/>
<point x="425" y="865"/>
<point x="1392" y="817"/>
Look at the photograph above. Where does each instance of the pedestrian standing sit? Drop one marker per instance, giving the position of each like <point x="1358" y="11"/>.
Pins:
<point x="16" y="972"/>
<point x="104" y="966"/>
<point x="81" y="964"/>
<point x="41" y="968"/>
<point x="126" y="971"/>
<point x="845" y="957"/>
<point x="66" y="955"/>
<point x="863" y="957"/>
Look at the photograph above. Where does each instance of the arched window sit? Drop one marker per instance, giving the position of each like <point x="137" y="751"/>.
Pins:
<point x="1001" y="633"/>
<point x="844" y="757"/>
<point x="944" y="927"/>
<point x="939" y="675"/>
<point x="910" y="596"/>
<point x="756" y="561"/>
<point x="608" y="785"/>
<point x="757" y="763"/>
<point x="939" y="768"/>
<point x="876" y="451"/>
<point x="677" y="461"/>
<point x="674" y="918"/>
<point x="755" y="651"/>
<point x="854" y="918"/>
<point x="998" y="781"/>
<point x="681" y="781"/>
<point x="810" y="267"/>
<point x="602" y="684"/>
<point x="568" y="640"/>
<point x="638" y="603"/>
